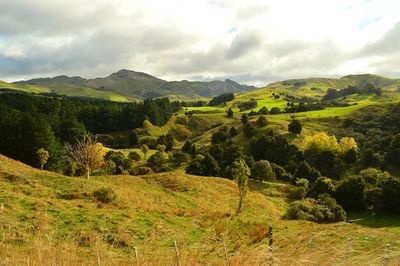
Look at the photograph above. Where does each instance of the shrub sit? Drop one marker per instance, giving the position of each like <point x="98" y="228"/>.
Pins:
<point x="322" y="185"/>
<point x="149" y="141"/>
<point x="244" y="119"/>
<point x="133" y="138"/>
<point x="144" y="170"/>
<point x="298" y="193"/>
<point x="180" y="157"/>
<point x="262" y="121"/>
<point x="350" y="193"/>
<point x="159" y="162"/>
<point x="262" y="170"/>
<point x="105" y="195"/>
<point x="307" y="172"/>
<point x="108" y="168"/>
<point x="134" y="156"/>
<point x="230" y="112"/>
<point x="302" y="182"/>
<point x="323" y="210"/>
<point x="249" y="130"/>
<point x="295" y="127"/>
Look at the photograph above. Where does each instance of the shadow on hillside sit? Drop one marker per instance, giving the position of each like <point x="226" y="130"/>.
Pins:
<point x="375" y="221"/>
<point x="276" y="189"/>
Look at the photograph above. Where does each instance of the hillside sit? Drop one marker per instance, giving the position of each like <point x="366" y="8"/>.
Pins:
<point x="46" y="217"/>
<point x="132" y="85"/>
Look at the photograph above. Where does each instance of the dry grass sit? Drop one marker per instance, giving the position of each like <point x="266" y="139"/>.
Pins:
<point x="40" y="225"/>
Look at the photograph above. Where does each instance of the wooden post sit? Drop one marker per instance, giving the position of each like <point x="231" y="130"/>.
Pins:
<point x="98" y="259"/>
<point x="225" y="251"/>
<point x="270" y="242"/>
<point x="270" y="236"/>
<point x="176" y="254"/>
<point x="136" y="256"/>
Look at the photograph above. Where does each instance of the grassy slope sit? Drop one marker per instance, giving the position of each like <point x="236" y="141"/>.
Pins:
<point x="37" y="223"/>
<point x="72" y="91"/>
<point x="24" y="88"/>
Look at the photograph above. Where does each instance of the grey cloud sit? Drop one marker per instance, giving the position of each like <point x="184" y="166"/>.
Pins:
<point x="388" y="44"/>
<point x="242" y="44"/>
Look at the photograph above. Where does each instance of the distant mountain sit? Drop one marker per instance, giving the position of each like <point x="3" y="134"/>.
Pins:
<point x="133" y="85"/>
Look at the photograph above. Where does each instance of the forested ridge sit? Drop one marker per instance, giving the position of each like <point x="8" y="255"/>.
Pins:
<point x="29" y="123"/>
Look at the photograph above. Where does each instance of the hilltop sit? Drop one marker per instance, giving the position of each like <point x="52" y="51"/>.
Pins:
<point x="131" y="85"/>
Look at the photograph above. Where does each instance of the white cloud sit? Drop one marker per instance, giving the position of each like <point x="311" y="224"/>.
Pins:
<point x="254" y="41"/>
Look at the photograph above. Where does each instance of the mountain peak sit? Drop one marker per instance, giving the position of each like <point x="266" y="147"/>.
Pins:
<point x="126" y="73"/>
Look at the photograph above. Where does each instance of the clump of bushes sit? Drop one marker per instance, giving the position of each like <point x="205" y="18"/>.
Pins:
<point x="321" y="210"/>
<point x="105" y="195"/>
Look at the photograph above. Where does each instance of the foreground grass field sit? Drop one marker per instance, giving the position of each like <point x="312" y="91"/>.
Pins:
<point x="50" y="219"/>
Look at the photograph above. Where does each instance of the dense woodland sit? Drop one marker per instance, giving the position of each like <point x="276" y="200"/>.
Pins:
<point x="29" y="123"/>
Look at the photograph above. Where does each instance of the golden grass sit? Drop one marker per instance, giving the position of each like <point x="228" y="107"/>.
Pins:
<point x="50" y="219"/>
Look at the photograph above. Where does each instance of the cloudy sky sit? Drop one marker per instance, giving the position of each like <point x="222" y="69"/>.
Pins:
<point x="252" y="41"/>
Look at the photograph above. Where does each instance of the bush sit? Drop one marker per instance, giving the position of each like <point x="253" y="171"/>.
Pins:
<point x="134" y="156"/>
<point x="105" y="195"/>
<point x="262" y="170"/>
<point x="322" y="185"/>
<point x="298" y="193"/>
<point x="149" y="141"/>
<point x="262" y="121"/>
<point x="350" y="193"/>
<point x="323" y="210"/>
<point x="144" y="170"/>
<point x="295" y="127"/>
<point x="159" y="162"/>
<point x="249" y="130"/>
<point x="180" y="157"/>
<point x="108" y="168"/>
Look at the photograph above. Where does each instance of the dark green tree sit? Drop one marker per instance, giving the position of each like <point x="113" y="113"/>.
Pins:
<point x="230" y="112"/>
<point x="295" y="127"/>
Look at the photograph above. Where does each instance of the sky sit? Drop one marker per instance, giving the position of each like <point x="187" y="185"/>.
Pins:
<point x="253" y="41"/>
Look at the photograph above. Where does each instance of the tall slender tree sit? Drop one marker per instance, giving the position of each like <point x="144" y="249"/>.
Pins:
<point x="241" y="173"/>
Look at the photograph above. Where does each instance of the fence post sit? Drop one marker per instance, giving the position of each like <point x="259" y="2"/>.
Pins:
<point x="270" y="236"/>
<point x="270" y="242"/>
<point x="225" y="251"/>
<point x="176" y="254"/>
<point x="136" y="256"/>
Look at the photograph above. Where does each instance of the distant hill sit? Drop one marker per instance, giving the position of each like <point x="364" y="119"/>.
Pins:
<point x="133" y="85"/>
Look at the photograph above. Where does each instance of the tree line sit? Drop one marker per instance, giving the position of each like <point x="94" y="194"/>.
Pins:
<point x="29" y="123"/>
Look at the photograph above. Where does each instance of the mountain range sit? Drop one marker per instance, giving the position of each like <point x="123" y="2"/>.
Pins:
<point x="137" y="85"/>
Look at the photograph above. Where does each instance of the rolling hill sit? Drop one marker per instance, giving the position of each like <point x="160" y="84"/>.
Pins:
<point x="46" y="217"/>
<point x="131" y="85"/>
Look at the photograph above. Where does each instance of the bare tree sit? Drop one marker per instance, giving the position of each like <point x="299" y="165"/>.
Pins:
<point x="86" y="152"/>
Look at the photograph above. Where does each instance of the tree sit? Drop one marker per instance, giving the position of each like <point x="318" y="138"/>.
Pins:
<point x="295" y="127"/>
<point x="166" y="140"/>
<point x="249" y="130"/>
<point x="245" y="119"/>
<point x="350" y="193"/>
<point x="145" y="150"/>
<point x="133" y="138"/>
<point x="43" y="157"/>
<point x="189" y="147"/>
<point x="262" y="170"/>
<point x="86" y="152"/>
<point x="307" y="172"/>
<point x="262" y="121"/>
<point x="230" y="112"/>
<point x="241" y="173"/>
<point x="263" y="111"/>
